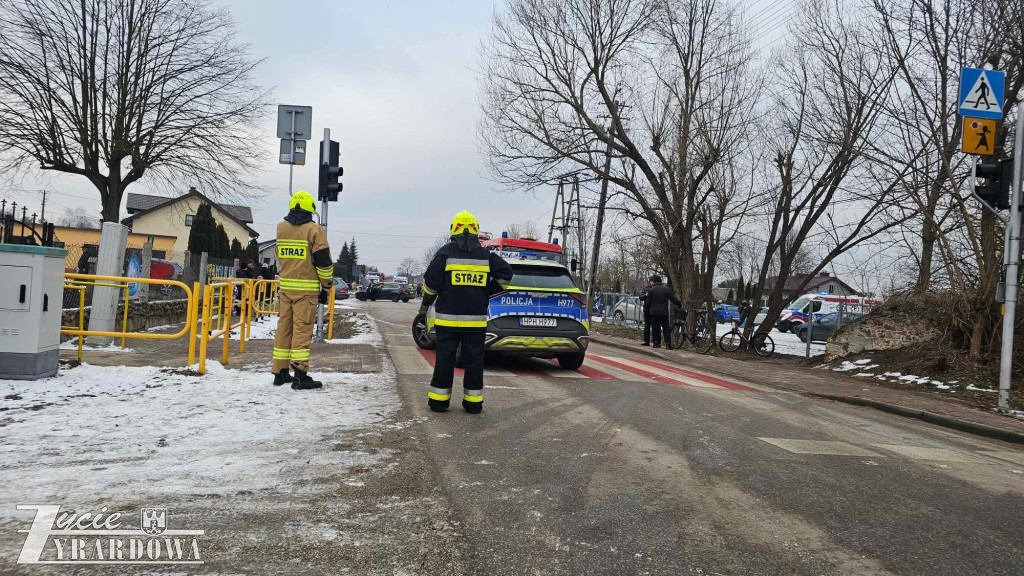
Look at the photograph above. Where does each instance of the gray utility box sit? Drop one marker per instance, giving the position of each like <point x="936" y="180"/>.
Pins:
<point x="31" y="294"/>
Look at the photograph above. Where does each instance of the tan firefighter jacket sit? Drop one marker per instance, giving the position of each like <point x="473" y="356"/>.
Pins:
<point x="303" y="257"/>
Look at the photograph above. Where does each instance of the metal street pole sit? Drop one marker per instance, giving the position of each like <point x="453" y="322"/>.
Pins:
<point x="1013" y="230"/>
<point x="291" y="165"/>
<point x="325" y="158"/>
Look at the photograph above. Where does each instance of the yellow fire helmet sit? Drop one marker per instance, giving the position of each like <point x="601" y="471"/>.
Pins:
<point x="304" y="200"/>
<point x="465" y="223"/>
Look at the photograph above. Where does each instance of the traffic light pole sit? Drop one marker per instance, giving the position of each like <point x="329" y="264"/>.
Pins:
<point x="1013" y="248"/>
<point x="325" y="155"/>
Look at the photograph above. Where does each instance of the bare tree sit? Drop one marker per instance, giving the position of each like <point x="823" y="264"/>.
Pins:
<point x="955" y="244"/>
<point x="672" y="79"/>
<point x="824" y="188"/>
<point x="522" y="229"/>
<point x="115" y="90"/>
<point x="409" y="267"/>
<point x="78" y="217"/>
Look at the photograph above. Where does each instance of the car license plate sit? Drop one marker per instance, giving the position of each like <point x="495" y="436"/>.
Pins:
<point x="541" y="322"/>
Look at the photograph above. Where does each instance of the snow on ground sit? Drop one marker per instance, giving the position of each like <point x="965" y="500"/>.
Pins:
<point x="113" y="346"/>
<point x="864" y="365"/>
<point x="93" y="433"/>
<point x="789" y="344"/>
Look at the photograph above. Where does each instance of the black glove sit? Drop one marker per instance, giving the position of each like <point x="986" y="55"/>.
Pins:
<point x="322" y="297"/>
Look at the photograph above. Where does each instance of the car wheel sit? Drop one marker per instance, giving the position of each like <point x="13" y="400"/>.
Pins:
<point x="619" y="316"/>
<point x="571" y="361"/>
<point x="420" y="334"/>
<point x="795" y="328"/>
<point x="394" y="297"/>
<point x="406" y="300"/>
<point x="802" y="335"/>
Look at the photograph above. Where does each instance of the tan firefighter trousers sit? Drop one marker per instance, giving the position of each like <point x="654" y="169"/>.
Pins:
<point x="294" y="330"/>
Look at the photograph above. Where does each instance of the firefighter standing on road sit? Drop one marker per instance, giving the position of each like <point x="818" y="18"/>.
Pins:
<point x="461" y="278"/>
<point x="305" y="268"/>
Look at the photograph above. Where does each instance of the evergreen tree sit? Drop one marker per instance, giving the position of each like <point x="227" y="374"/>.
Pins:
<point x="342" y="269"/>
<point x="236" y="250"/>
<point x="252" y="252"/>
<point x="204" y="231"/>
<point x="741" y="289"/>
<point x="728" y="298"/>
<point x="353" y="254"/>
<point x="221" y="247"/>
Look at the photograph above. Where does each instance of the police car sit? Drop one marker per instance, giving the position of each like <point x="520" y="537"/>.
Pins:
<point x="540" y="315"/>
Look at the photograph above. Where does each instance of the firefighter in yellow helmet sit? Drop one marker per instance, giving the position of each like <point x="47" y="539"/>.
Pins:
<point x="459" y="282"/>
<point x="306" y="269"/>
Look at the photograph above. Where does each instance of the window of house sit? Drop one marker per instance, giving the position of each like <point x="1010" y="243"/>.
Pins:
<point x="160" y="254"/>
<point x="831" y="288"/>
<point x="188" y="219"/>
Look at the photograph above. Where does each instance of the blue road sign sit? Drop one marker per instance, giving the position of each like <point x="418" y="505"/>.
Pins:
<point x="981" y="93"/>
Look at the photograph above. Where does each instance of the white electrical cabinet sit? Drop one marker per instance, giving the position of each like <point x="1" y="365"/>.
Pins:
<point x="31" y="294"/>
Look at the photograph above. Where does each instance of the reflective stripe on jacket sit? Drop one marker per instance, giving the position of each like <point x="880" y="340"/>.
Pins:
<point x="462" y="276"/>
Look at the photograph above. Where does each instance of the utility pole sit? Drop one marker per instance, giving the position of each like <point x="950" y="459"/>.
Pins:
<point x="1012" y="289"/>
<point x="602" y="199"/>
<point x="559" y="202"/>
<point x="580" y="248"/>
<point x="42" y="209"/>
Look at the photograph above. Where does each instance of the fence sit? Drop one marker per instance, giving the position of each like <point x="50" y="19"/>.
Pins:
<point x="623" y="309"/>
<point x="79" y="283"/>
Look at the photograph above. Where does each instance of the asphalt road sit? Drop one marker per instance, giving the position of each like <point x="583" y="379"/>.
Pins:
<point x="634" y="467"/>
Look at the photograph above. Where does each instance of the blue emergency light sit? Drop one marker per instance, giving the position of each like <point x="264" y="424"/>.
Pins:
<point x="555" y="241"/>
<point x="504" y="234"/>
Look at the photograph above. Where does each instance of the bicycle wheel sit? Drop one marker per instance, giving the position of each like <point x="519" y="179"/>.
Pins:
<point x="702" y="341"/>
<point x="763" y="345"/>
<point x="678" y="335"/>
<point x="730" y="341"/>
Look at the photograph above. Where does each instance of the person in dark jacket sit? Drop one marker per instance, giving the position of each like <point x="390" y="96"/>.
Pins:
<point x="658" y="297"/>
<point x="461" y="278"/>
<point x="744" y="312"/>
<point x="647" y="315"/>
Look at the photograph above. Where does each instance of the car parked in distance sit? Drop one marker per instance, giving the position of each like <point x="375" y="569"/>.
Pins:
<point x="630" y="309"/>
<point x="726" y="313"/>
<point x="761" y="315"/>
<point x="824" y="326"/>
<point x="341" y="289"/>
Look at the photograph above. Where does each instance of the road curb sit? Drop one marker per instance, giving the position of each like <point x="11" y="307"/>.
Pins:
<point x="923" y="415"/>
<point x="929" y="417"/>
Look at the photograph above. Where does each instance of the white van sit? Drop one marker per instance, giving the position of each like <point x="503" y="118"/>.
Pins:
<point x="796" y="314"/>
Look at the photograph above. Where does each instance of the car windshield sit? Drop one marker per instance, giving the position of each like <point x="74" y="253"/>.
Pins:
<point x="798" y="305"/>
<point x="541" y="277"/>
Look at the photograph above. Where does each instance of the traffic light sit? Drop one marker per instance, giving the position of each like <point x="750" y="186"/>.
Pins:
<point x="329" y="186"/>
<point x="995" y="191"/>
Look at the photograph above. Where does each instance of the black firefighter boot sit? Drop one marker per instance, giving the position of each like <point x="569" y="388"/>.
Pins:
<point x="282" y="377"/>
<point x="302" y="381"/>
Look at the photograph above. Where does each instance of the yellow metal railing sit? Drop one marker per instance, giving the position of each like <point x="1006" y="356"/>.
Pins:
<point x="80" y="282"/>
<point x="256" y="298"/>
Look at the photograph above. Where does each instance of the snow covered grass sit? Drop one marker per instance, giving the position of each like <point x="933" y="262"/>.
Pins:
<point x="92" y="434"/>
<point x="789" y="344"/>
<point x="864" y="365"/>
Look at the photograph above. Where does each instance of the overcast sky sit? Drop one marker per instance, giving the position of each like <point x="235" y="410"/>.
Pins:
<point x="395" y="83"/>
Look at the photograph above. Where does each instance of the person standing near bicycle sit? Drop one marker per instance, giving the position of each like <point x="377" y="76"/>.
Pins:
<point x="744" y="311"/>
<point x="658" y="298"/>
<point x="646" y="305"/>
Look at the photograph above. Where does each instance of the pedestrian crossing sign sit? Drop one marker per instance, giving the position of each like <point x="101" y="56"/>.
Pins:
<point x="979" y="136"/>
<point x="981" y="93"/>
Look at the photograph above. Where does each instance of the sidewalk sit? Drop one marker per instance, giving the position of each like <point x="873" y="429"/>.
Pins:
<point x="947" y="412"/>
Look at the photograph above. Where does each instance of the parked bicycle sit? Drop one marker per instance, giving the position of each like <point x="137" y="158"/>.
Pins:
<point x="701" y="336"/>
<point x="760" y="343"/>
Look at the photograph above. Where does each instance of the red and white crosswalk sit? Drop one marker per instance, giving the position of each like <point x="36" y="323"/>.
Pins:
<point x="597" y="367"/>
